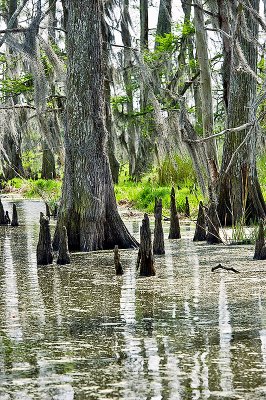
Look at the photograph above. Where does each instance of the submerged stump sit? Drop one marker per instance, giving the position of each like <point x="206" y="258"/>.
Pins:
<point x="260" y="249"/>
<point x="187" y="208"/>
<point x="118" y="265"/>
<point x="200" y="232"/>
<point x="44" y="247"/>
<point x="7" y="218"/>
<point x="2" y="214"/>
<point x="158" y="241"/>
<point x="63" y="255"/>
<point x="174" y="232"/>
<point x="14" y="221"/>
<point x="213" y="236"/>
<point x="145" y="256"/>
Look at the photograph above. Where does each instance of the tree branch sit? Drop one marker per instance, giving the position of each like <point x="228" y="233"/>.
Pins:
<point x="228" y="130"/>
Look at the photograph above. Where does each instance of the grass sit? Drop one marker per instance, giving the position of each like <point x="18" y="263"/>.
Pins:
<point x="49" y="190"/>
<point x="141" y="195"/>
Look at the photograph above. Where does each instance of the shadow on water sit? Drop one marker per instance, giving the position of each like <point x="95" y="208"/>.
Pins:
<point x="80" y="332"/>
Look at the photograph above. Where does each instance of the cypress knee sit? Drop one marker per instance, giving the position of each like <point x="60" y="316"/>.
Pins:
<point x="260" y="250"/>
<point x="174" y="232"/>
<point x="118" y="266"/>
<point x="7" y="219"/>
<point x="48" y="213"/>
<point x="158" y="241"/>
<point x="44" y="247"/>
<point x="14" y="221"/>
<point x="187" y="209"/>
<point x="63" y="255"/>
<point x="213" y="236"/>
<point x="145" y="256"/>
<point x="2" y="214"/>
<point x="200" y="232"/>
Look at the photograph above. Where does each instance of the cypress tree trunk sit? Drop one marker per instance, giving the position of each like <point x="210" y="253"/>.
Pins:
<point x="44" y="247"/>
<point x="239" y="193"/>
<point x="48" y="162"/>
<point x="213" y="236"/>
<point x="88" y="207"/>
<point x="14" y="221"/>
<point x="260" y="249"/>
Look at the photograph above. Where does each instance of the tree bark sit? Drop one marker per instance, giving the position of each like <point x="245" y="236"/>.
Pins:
<point x="239" y="193"/>
<point x="63" y="255"/>
<point x="158" y="240"/>
<point x="260" y="249"/>
<point x="213" y="236"/>
<point x="206" y="86"/>
<point x="88" y="207"/>
<point x="48" y="162"/>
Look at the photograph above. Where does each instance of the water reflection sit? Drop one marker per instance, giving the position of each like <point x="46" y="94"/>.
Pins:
<point x="10" y="294"/>
<point x="225" y="329"/>
<point x="80" y="332"/>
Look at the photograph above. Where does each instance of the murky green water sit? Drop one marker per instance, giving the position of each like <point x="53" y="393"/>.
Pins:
<point x="78" y="332"/>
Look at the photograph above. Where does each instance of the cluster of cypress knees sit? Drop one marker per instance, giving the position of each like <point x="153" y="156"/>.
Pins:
<point x="205" y="231"/>
<point x="4" y="216"/>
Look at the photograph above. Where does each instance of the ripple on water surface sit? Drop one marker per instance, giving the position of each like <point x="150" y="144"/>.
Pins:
<point x="79" y="332"/>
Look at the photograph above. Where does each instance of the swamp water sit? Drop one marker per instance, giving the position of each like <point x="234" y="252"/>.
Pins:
<point x="78" y="332"/>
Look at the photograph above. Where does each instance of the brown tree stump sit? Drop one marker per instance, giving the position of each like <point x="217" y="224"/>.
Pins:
<point x="2" y="214"/>
<point x="118" y="265"/>
<point x="14" y="221"/>
<point x="44" y="247"/>
<point x="158" y="241"/>
<point x="260" y="249"/>
<point x="174" y="232"/>
<point x="145" y="256"/>
<point x="200" y="232"/>
<point x="63" y="255"/>
<point x="187" y="208"/>
<point x="213" y="236"/>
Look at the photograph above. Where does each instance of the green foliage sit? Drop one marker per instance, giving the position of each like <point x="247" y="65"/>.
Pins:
<point x="142" y="194"/>
<point x="19" y="85"/>
<point x="31" y="160"/>
<point x="177" y="171"/>
<point x="49" y="190"/>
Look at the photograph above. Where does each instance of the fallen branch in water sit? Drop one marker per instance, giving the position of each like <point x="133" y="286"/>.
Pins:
<point x="226" y="268"/>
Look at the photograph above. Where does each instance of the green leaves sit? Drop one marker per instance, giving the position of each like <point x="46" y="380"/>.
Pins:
<point x="16" y="86"/>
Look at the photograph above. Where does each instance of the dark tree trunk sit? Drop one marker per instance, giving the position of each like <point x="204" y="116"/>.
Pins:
<point x="174" y="232"/>
<point x="158" y="241"/>
<point x="260" y="249"/>
<point x="144" y="23"/>
<point x="239" y="193"/>
<point x="44" y="247"/>
<point x="14" y="221"/>
<point x="145" y="256"/>
<point x="63" y="255"/>
<point x="48" y="162"/>
<point x="12" y="161"/>
<point x="108" y="79"/>
<point x="200" y="232"/>
<point x="164" y="17"/>
<point x="118" y="266"/>
<point x="88" y="208"/>
<point x="213" y="235"/>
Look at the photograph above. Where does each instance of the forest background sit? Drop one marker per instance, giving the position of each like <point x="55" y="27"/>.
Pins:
<point x="184" y="95"/>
